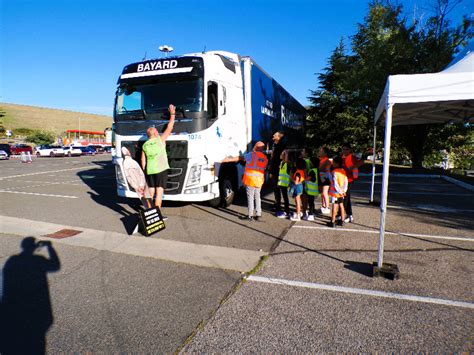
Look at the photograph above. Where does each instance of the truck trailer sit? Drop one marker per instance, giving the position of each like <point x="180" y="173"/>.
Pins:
<point x="225" y="103"/>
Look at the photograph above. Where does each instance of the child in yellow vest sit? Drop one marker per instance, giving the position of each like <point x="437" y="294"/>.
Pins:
<point x="337" y="191"/>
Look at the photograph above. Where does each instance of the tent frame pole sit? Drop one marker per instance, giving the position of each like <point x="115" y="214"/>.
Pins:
<point x="372" y="186"/>
<point x="386" y="270"/>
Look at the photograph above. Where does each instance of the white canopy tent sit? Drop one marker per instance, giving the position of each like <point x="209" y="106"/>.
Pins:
<point x="447" y="96"/>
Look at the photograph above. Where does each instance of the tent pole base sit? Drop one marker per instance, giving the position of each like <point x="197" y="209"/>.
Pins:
<point x="389" y="271"/>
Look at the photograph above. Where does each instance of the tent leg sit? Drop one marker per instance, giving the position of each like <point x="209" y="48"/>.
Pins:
<point x="381" y="269"/>
<point x="372" y="186"/>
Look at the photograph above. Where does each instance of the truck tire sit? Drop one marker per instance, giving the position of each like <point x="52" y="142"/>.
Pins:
<point x="228" y="186"/>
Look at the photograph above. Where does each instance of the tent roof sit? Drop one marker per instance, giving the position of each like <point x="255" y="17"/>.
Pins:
<point x="432" y="98"/>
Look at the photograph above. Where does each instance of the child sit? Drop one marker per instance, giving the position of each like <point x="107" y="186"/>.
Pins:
<point x="310" y="190"/>
<point x="325" y="179"/>
<point x="283" y="183"/>
<point x="337" y="191"/>
<point x="298" y="179"/>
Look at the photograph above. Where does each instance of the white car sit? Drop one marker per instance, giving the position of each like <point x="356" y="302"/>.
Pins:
<point x="72" y="151"/>
<point x="3" y="155"/>
<point x="49" y="151"/>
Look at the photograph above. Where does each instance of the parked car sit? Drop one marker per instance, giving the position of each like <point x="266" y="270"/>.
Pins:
<point x="17" y="149"/>
<point x="87" y="151"/>
<point x="108" y="149"/>
<point x="98" y="148"/>
<point x="72" y="151"/>
<point x="6" y="148"/>
<point x="49" y="151"/>
<point x="4" y="155"/>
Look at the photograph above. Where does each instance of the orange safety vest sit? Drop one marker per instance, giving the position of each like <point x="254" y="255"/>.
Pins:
<point x="302" y="176"/>
<point x="348" y="165"/>
<point x="255" y="170"/>
<point x="338" y="183"/>
<point x="324" y="169"/>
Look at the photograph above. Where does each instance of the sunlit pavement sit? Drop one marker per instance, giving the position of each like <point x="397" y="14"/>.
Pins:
<point x="316" y="292"/>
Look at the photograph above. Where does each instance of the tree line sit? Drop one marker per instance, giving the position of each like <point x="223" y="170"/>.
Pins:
<point x="388" y="43"/>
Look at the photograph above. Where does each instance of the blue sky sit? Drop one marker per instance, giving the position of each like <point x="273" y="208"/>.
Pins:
<point x="68" y="54"/>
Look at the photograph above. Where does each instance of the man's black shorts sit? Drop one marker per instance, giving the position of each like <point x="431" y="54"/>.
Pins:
<point x="157" y="180"/>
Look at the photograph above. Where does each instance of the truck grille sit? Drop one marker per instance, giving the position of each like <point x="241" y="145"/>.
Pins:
<point x="177" y="152"/>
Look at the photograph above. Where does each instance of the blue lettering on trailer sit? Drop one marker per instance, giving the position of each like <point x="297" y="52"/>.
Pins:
<point x="274" y="109"/>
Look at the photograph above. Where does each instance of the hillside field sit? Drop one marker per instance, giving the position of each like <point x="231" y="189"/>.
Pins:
<point x="54" y="120"/>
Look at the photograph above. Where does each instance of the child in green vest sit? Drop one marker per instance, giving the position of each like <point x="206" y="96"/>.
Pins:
<point x="310" y="190"/>
<point x="283" y="183"/>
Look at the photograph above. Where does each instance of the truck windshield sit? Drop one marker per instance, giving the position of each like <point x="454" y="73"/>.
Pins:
<point x="152" y="98"/>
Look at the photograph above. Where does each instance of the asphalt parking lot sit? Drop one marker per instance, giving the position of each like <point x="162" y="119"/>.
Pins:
<point x="183" y="287"/>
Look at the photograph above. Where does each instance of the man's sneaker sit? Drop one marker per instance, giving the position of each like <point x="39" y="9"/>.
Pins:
<point x="281" y="214"/>
<point x="349" y="219"/>
<point x="305" y="217"/>
<point x="330" y="224"/>
<point x="295" y="217"/>
<point x="246" y="218"/>
<point x="325" y="210"/>
<point x="310" y="217"/>
<point x="258" y="218"/>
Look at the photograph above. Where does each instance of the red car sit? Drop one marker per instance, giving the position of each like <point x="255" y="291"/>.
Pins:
<point x="17" y="149"/>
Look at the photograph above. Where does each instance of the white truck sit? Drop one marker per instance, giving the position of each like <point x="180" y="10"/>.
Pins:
<point x="225" y="103"/>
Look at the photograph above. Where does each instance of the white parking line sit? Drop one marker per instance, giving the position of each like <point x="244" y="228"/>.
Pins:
<point x="371" y="231"/>
<point x="391" y="192"/>
<point x="43" y="172"/>
<point x="36" y="194"/>
<point x="358" y="291"/>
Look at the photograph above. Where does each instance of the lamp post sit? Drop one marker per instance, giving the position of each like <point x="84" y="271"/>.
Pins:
<point x="166" y="49"/>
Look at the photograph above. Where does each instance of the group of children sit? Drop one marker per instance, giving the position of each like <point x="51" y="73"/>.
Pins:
<point x="304" y="178"/>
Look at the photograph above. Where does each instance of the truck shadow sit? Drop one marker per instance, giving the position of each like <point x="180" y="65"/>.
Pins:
<point x="101" y="181"/>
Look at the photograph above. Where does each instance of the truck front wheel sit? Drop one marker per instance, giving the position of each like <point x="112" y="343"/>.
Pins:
<point x="227" y="192"/>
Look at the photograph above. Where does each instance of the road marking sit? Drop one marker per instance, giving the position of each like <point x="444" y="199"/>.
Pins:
<point x="43" y="172"/>
<point x="417" y="193"/>
<point x="36" y="194"/>
<point x="359" y="291"/>
<point x="440" y="184"/>
<point x="370" y="231"/>
<point x="432" y="208"/>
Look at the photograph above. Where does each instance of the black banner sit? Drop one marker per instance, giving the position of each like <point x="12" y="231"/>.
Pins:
<point x="152" y="221"/>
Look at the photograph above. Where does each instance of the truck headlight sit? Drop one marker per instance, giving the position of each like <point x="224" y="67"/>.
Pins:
<point x="120" y="177"/>
<point x="194" y="175"/>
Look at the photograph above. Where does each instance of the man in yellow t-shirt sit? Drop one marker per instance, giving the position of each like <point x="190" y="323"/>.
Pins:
<point x="154" y="159"/>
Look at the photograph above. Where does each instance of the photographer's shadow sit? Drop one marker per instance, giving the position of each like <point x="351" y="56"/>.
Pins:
<point x="26" y="314"/>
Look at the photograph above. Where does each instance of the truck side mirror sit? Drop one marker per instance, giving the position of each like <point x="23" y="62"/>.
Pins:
<point x="212" y="108"/>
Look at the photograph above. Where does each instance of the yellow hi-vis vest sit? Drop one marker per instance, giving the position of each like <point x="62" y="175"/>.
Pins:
<point x="283" y="176"/>
<point x="312" y="187"/>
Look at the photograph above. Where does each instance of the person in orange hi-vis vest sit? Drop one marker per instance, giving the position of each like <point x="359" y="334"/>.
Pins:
<point x="337" y="191"/>
<point x="253" y="179"/>
<point x="351" y="166"/>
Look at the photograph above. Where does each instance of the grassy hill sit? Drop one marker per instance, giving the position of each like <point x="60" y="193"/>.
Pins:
<point x="57" y="121"/>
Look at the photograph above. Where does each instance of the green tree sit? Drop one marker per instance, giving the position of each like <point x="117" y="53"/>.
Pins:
<point x="41" y="137"/>
<point x="385" y="44"/>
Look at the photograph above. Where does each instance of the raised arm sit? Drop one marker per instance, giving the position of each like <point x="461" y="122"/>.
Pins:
<point x="231" y="159"/>
<point x="169" y="128"/>
<point x="143" y="160"/>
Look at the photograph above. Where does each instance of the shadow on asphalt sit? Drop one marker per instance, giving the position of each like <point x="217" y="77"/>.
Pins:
<point x="25" y="311"/>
